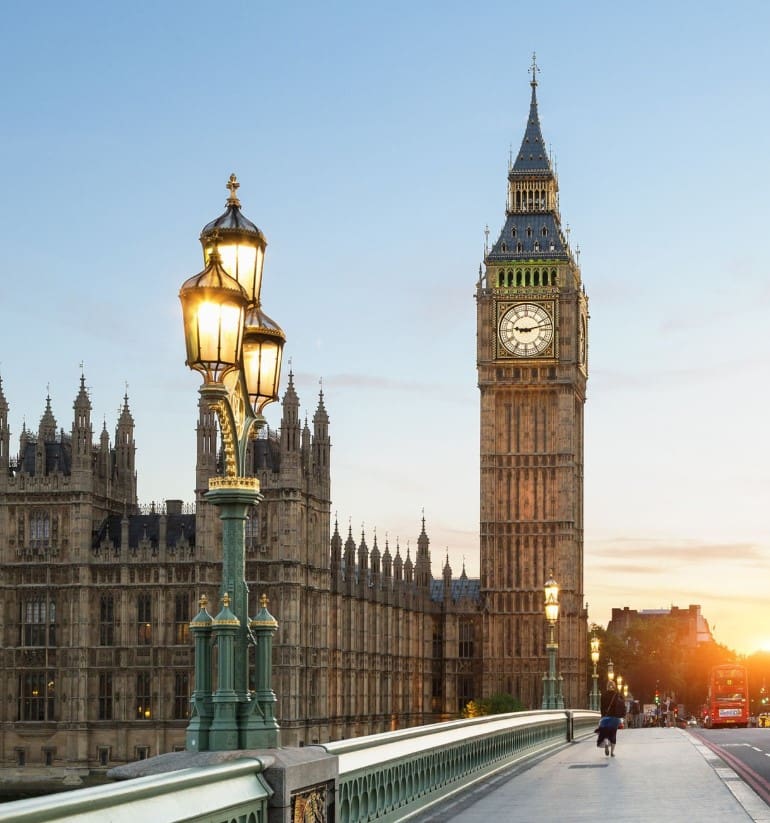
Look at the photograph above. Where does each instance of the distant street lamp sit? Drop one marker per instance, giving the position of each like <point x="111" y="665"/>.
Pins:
<point x="610" y="670"/>
<point x="595" y="698"/>
<point x="237" y="349"/>
<point x="552" y="694"/>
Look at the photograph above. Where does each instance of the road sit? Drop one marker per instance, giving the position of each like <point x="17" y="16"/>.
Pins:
<point x="747" y="751"/>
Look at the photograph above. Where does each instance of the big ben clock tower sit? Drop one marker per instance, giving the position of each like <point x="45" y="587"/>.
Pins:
<point x="532" y="316"/>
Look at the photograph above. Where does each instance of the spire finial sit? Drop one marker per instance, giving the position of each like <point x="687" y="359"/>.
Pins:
<point x="233" y="185"/>
<point x="534" y="69"/>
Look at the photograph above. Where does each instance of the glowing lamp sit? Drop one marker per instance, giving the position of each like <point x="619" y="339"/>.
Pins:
<point x="551" y="600"/>
<point x="240" y="244"/>
<point x="263" y="341"/>
<point x="213" y="306"/>
<point x="594" y="649"/>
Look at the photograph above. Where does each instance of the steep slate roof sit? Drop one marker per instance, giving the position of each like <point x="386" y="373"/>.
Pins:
<point x="464" y="587"/>
<point x="58" y="457"/>
<point x="146" y="526"/>
<point x="551" y="245"/>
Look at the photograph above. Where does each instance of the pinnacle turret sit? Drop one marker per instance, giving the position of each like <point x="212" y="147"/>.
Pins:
<point x="5" y="432"/>
<point x="47" y="429"/>
<point x="290" y="425"/>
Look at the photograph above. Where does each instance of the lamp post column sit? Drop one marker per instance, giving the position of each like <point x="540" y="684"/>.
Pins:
<point x="233" y="497"/>
<point x="197" y="734"/>
<point x="552" y="692"/>
<point x="595" y="676"/>
<point x="260" y="728"/>
<point x="223" y="735"/>
<point x="549" y="680"/>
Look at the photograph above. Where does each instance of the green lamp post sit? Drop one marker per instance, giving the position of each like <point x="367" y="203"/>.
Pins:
<point x="552" y="693"/>
<point x="237" y="349"/>
<point x="595" y="698"/>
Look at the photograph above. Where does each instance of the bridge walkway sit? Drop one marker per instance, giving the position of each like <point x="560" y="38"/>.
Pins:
<point x="658" y="775"/>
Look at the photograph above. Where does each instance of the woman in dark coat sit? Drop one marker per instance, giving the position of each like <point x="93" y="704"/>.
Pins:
<point x="613" y="711"/>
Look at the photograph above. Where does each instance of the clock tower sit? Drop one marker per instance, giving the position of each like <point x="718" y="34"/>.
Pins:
<point x="532" y="317"/>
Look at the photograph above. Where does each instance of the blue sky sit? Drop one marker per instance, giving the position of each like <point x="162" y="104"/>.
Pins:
<point x="371" y="142"/>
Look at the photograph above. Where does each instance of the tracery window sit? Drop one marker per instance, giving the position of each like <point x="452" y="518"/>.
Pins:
<point x="39" y="526"/>
<point x="144" y="619"/>
<point x="466" y="639"/>
<point x="38" y="621"/>
<point x="181" y="696"/>
<point x="143" y="696"/>
<point x="182" y="619"/>
<point x="36" y="695"/>
<point x="107" y="620"/>
<point x="105" y="696"/>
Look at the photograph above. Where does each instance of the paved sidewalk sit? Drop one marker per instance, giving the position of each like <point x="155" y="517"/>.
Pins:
<point x="657" y="776"/>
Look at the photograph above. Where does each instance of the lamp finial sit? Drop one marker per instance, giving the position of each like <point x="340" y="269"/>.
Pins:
<point x="233" y="185"/>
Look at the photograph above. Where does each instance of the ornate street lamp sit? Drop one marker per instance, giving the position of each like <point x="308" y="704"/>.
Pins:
<point x="552" y="694"/>
<point x="237" y="349"/>
<point x="610" y="670"/>
<point x="595" y="698"/>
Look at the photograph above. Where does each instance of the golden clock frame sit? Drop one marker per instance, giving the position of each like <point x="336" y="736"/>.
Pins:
<point x="548" y="300"/>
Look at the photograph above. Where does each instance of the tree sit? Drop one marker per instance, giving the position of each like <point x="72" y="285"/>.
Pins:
<point x="495" y="704"/>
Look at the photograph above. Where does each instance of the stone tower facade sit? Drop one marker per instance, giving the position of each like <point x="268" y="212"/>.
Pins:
<point x="532" y="315"/>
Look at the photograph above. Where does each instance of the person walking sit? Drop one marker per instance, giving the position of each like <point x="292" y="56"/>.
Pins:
<point x="613" y="711"/>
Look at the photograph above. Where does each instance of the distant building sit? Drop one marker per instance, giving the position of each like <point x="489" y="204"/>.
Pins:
<point x="692" y="625"/>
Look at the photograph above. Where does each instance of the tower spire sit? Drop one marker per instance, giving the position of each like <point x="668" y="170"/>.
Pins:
<point x="532" y="156"/>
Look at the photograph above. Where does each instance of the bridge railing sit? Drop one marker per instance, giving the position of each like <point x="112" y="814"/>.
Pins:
<point x="389" y="776"/>
<point x="215" y="794"/>
<point x="384" y="777"/>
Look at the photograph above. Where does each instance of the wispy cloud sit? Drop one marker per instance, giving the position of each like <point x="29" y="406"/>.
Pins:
<point x="678" y="551"/>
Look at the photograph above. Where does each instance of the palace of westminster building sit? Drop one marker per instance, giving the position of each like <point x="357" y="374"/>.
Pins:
<point x="97" y="592"/>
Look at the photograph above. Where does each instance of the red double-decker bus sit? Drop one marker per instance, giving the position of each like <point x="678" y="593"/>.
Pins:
<point x="727" y="703"/>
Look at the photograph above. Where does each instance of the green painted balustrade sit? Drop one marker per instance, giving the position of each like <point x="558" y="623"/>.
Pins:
<point x="389" y="776"/>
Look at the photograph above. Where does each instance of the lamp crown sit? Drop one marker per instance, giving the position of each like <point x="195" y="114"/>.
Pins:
<point x="233" y="185"/>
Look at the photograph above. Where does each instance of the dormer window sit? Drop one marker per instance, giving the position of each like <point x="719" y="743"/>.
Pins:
<point x="545" y="232"/>
<point x="518" y="247"/>
<point x="529" y="232"/>
<point x="513" y="232"/>
<point x="504" y="247"/>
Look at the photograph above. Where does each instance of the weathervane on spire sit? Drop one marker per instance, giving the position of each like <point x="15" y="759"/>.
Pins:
<point x="534" y="69"/>
<point x="233" y="185"/>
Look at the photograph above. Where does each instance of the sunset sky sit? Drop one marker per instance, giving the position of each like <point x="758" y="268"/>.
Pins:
<point x="371" y="142"/>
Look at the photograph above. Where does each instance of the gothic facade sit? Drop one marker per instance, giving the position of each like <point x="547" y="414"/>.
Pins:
<point x="98" y="593"/>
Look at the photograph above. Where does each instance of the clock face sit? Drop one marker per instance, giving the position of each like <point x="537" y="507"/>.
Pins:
<point x="526" y="329"/>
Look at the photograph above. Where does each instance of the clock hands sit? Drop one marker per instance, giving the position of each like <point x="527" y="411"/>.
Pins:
<point x="531" y="328"/>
